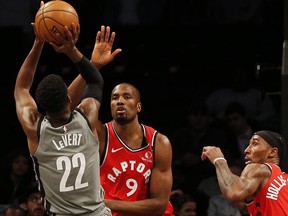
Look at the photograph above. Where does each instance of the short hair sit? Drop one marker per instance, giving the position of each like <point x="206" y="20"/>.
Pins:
<point x="51" y="93"/>
<point x="135" y="89"/>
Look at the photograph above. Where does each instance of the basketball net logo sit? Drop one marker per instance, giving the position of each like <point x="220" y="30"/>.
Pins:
<point x="65" y="129"/>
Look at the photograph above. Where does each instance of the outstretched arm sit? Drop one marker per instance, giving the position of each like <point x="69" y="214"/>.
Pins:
<point x="25" y="104"/>
<point x="102" y="55"/>
<point x="236" y="189"/>
<point x="92" y="95"/>
<point x="26" y="107"/>
<point x="75" y="90"/>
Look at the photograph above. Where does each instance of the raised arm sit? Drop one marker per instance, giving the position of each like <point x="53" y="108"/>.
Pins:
<point x="160" y="185"/>
<point x="102" y="55"/>
<point x="92" y="96"/>
<point x="26" y="107"/>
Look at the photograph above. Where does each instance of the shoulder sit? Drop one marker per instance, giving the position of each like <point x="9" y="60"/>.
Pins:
<point x="257" y="170"/>
<point x="254" y="178"/>
<point x="163" y="147"/>
<point x="30" y="116"/>
<point x="162" y="142"/>
<point x="89" y="106"/>
<point x="162" y="152"/>
<point x="162" y="139"/>
<point x="29" y="119"/>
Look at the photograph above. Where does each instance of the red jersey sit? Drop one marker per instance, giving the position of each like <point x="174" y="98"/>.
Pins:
<point x="125" y="172"/>
<point x="272" y="200"/>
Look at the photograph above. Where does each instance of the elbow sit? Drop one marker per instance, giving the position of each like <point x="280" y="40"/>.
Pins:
<point x="234" y="197"/>
<point x="158" y="208"/>
<point x="161" y="207"/>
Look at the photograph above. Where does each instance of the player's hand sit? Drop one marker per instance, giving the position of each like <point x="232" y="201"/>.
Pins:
<point x="102" y="53"/>
<point x="211" y="152"/>
<point x="66" y="43"/>
<point x="37" y="37"/>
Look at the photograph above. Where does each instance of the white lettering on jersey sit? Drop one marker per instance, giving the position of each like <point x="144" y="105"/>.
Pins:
<point x="274" y="189"/>
<point x="67" y="140"/>
<point x="130" y="165"/>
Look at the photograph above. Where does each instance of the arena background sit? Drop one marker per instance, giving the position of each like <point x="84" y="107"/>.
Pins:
<point x="175" y="52"/>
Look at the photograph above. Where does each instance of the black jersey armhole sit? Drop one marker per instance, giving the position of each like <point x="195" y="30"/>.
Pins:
<point x="102" y="156"/>
<point x="154" y="146"/>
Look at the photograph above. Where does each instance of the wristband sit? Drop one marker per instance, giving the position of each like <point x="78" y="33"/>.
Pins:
<point x="218" y="158"/>
<point x="93" y="78"/>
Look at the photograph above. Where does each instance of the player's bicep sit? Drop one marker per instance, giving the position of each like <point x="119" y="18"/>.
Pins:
<point x="161" y="179"/>
<point x="90" y="107"/>
<point x="251" y="181"/>
<point x="163" y="153"/>
<point x="26" y="109"/>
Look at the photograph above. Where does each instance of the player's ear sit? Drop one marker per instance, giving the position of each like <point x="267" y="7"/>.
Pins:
<point x="139" y="107"/>
<point x="273" y="152"/>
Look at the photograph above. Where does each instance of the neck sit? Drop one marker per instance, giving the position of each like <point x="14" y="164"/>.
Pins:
<point x="59" y="119"/>
<point x="128" y="130"/>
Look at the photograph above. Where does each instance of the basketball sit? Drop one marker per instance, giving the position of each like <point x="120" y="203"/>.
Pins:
<point x="52" y="17"/>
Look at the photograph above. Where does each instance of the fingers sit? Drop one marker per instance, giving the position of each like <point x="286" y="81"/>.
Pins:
<point x="75" y="31"/>
<point x="204" y="155"/>
<point x="112" y="38"/>
<point x="98" y="37"/>
<point x="102" y="35"/>
<point x="211" y="152"/>
<point x="54" y="45"/>
<point x="107" y="35"/>
<point x="68" y="33"/>
<point x="41" y="4"/>
<point x="116" y="52"/>
<point x="65" y="43"/>
<point x="207" y="151"/>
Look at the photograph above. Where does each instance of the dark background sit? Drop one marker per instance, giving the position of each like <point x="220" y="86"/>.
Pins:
<point x="174" y="51"/>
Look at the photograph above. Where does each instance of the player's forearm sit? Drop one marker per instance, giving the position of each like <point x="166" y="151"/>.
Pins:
<point x="98" y="65"/>
<point x="227" y="180"/>
<point x="27" y="71"/>
<point x="147" y="207"/>
<point x="93" y="78"/>
<point x="75" y="55"/>
<point x="76" y="89"/>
